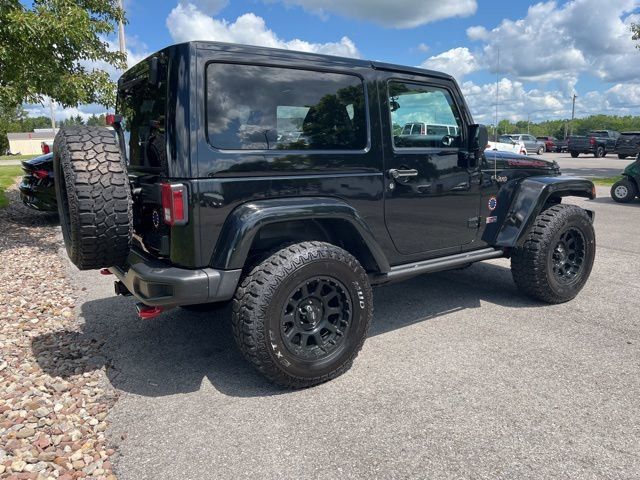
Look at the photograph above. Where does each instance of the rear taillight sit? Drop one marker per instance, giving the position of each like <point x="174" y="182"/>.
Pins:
<point x="174" y="204"/>
<point x="40" y="174"/>
<point x="592" y="141"/>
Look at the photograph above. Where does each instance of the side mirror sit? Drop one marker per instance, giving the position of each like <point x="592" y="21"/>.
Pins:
<point x="478" y="138"/>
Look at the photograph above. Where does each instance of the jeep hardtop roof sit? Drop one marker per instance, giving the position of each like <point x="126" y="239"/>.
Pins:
<point x="289" y="54"/>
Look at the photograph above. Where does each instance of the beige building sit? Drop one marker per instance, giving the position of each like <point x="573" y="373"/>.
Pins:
<point x="30" y="143"/>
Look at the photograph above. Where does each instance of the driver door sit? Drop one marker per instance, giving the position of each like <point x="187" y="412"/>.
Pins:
<point x="432" y="198"/>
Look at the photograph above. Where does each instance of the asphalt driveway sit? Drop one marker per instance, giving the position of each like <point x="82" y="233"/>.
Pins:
<point x="462" y="377"/>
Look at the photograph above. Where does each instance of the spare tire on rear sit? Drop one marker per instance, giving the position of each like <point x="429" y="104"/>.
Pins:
<point x="94" y="196"/>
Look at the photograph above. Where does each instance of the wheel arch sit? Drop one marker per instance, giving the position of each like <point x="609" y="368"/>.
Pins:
<point x="527" y="199"/>
<point x="259" y="226"/>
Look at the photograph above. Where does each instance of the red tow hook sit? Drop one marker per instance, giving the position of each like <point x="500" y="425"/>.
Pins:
<point x="145" y="312"/>
<point x="105" y="271"/>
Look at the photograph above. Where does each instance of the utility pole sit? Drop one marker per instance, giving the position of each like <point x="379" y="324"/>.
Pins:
<point x="53" y="116"/>
<point x="573" y="111"/>
<point x="497" y="93"/>
<point x="123" y="47"/>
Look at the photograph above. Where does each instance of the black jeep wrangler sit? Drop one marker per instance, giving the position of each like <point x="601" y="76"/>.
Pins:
<point x="284" y="181"/>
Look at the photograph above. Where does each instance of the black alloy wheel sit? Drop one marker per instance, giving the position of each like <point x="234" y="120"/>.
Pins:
<point x="567" y="256"/>
<point x="316" y="318"/>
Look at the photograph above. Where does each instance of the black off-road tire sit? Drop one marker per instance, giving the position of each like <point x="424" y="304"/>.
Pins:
<point x="599" y="152"/>
<point x="93" y="196"/>
<point x="574" y="154"/>
<point x="624" y="191"/>
<point x="532" y="263"/>
<point x="264" y="294"/>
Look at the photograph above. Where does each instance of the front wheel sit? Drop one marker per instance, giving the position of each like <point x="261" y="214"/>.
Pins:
<point x="556" y="258"/>
<point x="624" y="191"/>
<point x="301" y="316"/>
<point x="621" y="156"/>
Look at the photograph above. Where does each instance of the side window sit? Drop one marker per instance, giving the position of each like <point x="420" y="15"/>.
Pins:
<point x="431" y="106"/>
<point x="251" y="107"/>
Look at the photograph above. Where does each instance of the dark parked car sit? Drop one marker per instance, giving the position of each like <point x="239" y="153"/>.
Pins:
<point x="552" y="144"/>
<point x="598" y="142"/>
<point x="628" y="144"/>
<point x="37" y="189"/>
<point x="213" y="202"/>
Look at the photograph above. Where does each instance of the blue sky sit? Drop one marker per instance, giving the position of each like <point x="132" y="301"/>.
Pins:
<point x="548" y="50"/>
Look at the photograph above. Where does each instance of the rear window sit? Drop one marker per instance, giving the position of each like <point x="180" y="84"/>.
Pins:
<point x="251" y="107"/>
<point x="142" y="102"/>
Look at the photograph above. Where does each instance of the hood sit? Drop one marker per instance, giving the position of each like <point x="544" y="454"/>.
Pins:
<point x="508" y="160"/>
<point x="41" y="162"/>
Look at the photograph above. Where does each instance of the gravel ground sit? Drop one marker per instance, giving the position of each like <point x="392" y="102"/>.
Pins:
<point x="53" y="397"/>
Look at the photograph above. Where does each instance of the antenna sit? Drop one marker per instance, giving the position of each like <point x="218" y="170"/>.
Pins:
<point x="495" y="159"/>
<point x="497" y="91"/>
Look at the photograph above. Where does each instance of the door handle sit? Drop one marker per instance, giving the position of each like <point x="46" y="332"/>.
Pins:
<point x="401" y="175"/>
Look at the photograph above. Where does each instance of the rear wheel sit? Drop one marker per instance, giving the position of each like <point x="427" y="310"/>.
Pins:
<point x="624" y="191"/>
<point x="574" y="154"/>
<point x="556" y="258"/>
<point x="599" y="152"/>
<point x="301" y="316"/>
<point x="93" y="196"/>
<point x="540" y="150"/>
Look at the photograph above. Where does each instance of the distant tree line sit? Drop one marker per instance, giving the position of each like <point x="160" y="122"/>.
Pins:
<point x="579" y="126"/>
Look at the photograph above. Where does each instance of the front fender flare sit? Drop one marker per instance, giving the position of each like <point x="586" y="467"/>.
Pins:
<point x="242" y="225"/>
<point x="529" y="198"/>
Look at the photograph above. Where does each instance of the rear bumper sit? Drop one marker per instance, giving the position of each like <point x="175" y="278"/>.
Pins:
<point x="158" y="283"/>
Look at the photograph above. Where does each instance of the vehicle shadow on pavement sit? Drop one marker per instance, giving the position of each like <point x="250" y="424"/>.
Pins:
<point x="611" y="201"/>
<point x="175" y="352"/>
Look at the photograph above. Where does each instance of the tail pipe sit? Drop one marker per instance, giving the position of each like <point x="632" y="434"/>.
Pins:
<point x="145" y="312"/>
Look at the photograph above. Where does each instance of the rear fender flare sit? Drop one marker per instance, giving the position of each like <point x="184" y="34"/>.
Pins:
<point x="528" y="199"/>
<point x="243" y="224"/>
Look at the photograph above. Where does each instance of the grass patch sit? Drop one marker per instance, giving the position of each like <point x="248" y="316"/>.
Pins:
<point x="8" y="176"/>
<point x="606" y="181"/>
<point x="17" y="157"/>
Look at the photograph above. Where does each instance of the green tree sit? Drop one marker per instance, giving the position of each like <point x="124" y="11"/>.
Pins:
<point x="635" y="30"/>
<point x="96" y="120"/>
<point x="47" y="47"/>
<point x="10" y="119"/>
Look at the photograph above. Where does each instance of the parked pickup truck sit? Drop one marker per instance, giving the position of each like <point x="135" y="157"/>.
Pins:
<point x="628" y="145"/>
<point x="598" y="142"/>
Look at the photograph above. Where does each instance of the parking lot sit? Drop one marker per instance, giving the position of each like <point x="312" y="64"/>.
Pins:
<point x="461" y="377"/>
<point x="587" y="165"/>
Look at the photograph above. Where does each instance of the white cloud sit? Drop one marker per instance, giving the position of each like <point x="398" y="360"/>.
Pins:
<point x="187" y="22"/>
<point x="558" y="42"/>
<point x="423" y="47"/>
<point x="398" y="13"/>
<point x="457" y="62"/>
<point x="85" y="111"/>
<point x="517" y="102"/>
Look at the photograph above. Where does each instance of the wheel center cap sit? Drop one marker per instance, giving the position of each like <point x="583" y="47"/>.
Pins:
<point x="309" y="313"/>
